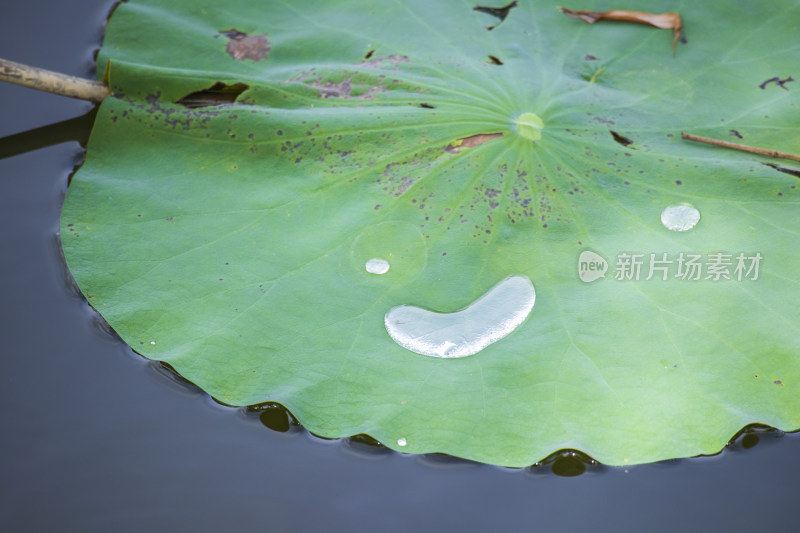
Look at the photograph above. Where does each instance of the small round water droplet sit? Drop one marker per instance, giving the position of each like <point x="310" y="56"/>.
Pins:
<point x="529" y="126"/>
<point x="680" y="217"/>
<point x="401" y="441"/>
<point x="466" y="332"/>
<point x="400" y="244"/>
<point x="152" y="342"/>
<point x="377" y="266"/>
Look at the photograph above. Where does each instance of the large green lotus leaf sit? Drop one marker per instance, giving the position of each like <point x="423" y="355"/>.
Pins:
<point x="231" y="240"/>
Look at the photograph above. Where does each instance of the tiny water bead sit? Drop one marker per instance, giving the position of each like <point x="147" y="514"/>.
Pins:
<point x="401" y="441"/>
<point x="396" y="244"/>
<point x="681" y="217"/>
<point x="377" y="266"/>
<point x="468" y="331"/>
<point x="529" y="126"/>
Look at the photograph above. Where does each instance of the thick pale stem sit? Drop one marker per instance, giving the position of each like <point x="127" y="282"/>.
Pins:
<point x="52" y="82"/>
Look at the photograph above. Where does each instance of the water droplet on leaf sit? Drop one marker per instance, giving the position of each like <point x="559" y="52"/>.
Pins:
<point x="399" y="244"/>
<point x="466" y="332"/>
<point x="377" y="266"/>
<point x="680" y="217"/>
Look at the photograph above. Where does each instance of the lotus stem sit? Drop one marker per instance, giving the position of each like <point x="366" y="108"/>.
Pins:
<point x="52" y="82"/>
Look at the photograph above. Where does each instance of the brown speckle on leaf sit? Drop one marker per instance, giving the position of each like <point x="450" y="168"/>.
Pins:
<point x="330" y="89"/>
<point x="242" y="46"/>
<point x="344" y="90"/>
<point x="392" y="60"/>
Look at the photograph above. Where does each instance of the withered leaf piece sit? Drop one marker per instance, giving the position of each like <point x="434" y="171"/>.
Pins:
<point x="470" y="142"/>
<point x="791" y="171"/>
<point x="499" y="12"/>
<point x="667" y="21"/>
<point x="621" y="139"/>
<point x="242" y="46"/>
<point x="777" y="81"/>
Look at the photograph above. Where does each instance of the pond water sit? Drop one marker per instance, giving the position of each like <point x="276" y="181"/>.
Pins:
<point x="96" y="438"/>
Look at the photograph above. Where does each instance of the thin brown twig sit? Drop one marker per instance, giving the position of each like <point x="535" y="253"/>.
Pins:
<point x="52" y="82"/>
<point x="740" y="147"/>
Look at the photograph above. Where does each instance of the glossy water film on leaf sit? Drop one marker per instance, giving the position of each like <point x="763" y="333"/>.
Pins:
<point x="468" y="331"/>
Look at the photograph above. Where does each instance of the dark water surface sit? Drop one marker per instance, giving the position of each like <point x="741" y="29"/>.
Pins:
<point x="96" y="439"/>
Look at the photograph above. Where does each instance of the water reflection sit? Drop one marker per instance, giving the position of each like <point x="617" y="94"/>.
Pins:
<point x="563" y="463"/>
<point x="275" y="416"/>
<point x="751" y="436"/>
<point x="567" y="463"/>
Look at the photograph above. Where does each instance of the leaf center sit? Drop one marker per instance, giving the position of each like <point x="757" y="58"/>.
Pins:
<point x="529" y="126"/>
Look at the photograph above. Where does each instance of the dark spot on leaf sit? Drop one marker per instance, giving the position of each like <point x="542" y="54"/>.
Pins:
<point x="470" y="142"/>
<point x="499" y="12"/>
<point x="495" y="60"/>
<point x="621" y="139"/>
<point x="735" y="134"/>
<point x="678" y="182"/>
<point x="369" y="54"/>
<point x="218" y="94"/>
<point x="778" y="382"/>
<point x="242" y="46"/>
<point x="589" y="57"/>
<point x="791" y="171"/>
<point x="427" y="106"/>
<point x="777" y="81"/>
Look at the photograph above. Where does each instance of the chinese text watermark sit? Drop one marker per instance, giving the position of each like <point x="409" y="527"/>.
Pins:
<point x="630" y="266"/>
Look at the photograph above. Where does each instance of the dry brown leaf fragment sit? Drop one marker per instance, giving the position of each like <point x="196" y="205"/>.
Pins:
<point x="666" y="21"/>
<point x="242" y="46"/>
<point x="470" y="142"/>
